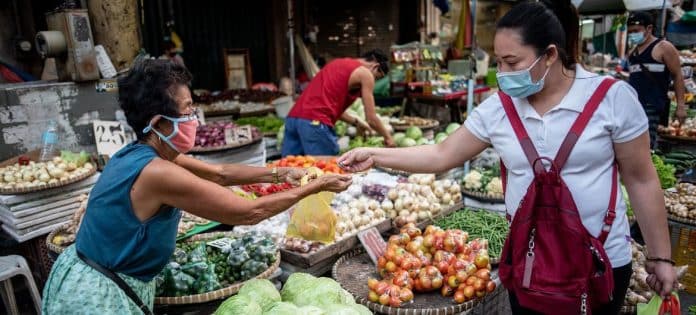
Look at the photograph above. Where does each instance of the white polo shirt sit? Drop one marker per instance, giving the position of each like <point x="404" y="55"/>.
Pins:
<point x="588" y="171"/>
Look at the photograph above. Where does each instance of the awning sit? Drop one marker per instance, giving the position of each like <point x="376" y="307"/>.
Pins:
<point x="590" y="7"/>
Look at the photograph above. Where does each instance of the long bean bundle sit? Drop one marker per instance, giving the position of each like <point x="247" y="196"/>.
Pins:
<point x="479" y="224"/>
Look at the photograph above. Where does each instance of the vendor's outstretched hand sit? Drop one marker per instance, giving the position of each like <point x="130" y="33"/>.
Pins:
<point x="356" y="160"/>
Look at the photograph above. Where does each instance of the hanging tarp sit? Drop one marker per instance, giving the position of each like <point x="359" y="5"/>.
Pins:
<point x="681" y="34"/>
<point x="641" y="5"/>
<point x="590" y="7"/>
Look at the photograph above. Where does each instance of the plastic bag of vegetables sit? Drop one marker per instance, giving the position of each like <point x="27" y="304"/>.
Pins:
<point x="313" y="219"/>
<point x="207" y="280"/>
<point x="198" y="254"/>
<point x="239" y="305"/>
<point x="177" y="282"/>
<point x="194" y="269"/>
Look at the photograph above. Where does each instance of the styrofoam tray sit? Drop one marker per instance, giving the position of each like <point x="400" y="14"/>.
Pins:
<point x="23" y="237"/>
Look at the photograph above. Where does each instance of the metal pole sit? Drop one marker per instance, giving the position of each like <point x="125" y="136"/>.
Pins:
<point x="662" y="20"/>
<point x="472" y="78"/>
<point x="291" y="39"/>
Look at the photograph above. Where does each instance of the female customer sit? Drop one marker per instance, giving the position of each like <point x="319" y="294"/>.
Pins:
<point x="129" y="229"/>
<point x="544" y="92"/>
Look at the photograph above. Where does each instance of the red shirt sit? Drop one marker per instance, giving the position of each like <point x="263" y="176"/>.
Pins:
<point x="327" y="96"/>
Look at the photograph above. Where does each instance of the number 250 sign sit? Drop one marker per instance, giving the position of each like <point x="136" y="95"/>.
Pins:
<point x="109" y="136"/>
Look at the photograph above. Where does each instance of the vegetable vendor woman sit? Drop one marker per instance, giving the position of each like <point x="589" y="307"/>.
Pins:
<point x="544" y="91"/>
<point x="129" y="229"/>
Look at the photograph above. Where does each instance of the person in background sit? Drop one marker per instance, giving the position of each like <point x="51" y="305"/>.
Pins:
<point x="309" y="125"/>
<point x="129" y="229"/>
<point x="171" y="53"/>
<point x="653" y="63"/>
<point x="536" y="51"/>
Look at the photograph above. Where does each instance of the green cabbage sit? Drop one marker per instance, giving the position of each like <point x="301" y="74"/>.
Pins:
<point x="323" y="291"/>
<point x="440" y="137"/>
<point x="414" y="133"/>
<point x="296" y="284"/>
<point x="312" y="310"/>
<point x="282" y="308"/>
<point x="342" y="309"/>
<point x="408" y="142"/>
<point x="399" y="136"/>
<point x="260" y="291"/>
<point x="239" y="305"/>
<point x="451" y="128"/>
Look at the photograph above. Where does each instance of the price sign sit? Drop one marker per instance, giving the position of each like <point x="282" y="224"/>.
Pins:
<point x="373" y="243"/>
<point x="201" y="115"/>
<point x="107" y="85"/>
<point x="221" y="243"/>
<point x="110" y="136"/>
<point x="243" y="134"/>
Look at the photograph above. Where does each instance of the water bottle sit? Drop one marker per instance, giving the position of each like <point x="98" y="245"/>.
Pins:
<point x="50" y="142"/>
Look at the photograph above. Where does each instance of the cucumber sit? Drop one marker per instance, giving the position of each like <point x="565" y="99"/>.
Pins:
<point x="691" y="154"/>
<point x="677" y="163"/>
<point x="679" y="156"/>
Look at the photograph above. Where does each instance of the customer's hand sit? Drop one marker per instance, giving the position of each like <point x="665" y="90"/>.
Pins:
<point x="293" y="175"/>
<point x="356" y="160"/>
<point x="334" y="183"/>
<point x="662" y="277"/>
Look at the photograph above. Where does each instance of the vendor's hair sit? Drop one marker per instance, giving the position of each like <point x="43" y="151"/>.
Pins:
<point x="544" y="23"/>
<point x="379" y="57"/>
<point x="146" y="91"/>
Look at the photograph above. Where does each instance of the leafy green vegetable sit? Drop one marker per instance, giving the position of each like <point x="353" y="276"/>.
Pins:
<point x="322" y="292"/>
<point x="341" y="128"/>
<point x="414" y="133"/>
<point x="239" y="305"/>
<point x="269" y="123"/>
<point x="311" y="310"/>
<point x="399" y="136"/>
<point x="451" y="128"/>
<point x="296" y="284"/>
<point x="629" y="209"/>
<point x="665" y="172"/>
<point x="408" y="142"/>
<point x="440" y="137"/>
<point x="342" y="309"/>
<point x="260" y="291"/>
<point x="282" y="308"/>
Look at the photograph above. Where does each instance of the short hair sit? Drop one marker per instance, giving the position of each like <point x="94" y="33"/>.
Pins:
<point x="378" y="56"/>
<point x="146" y="91"/>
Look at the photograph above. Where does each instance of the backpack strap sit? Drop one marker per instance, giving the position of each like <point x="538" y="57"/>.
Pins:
<point x="522" y="136"/>
<point x="503" y="178"/>
<point x="572" y="138"/>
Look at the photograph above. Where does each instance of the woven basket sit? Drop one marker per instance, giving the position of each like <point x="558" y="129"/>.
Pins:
<point x="217" y="294"/>
<point x="432" y="124"/>
<point x="17" y="191"/>
<point x="224" y="147"/>
<point x="681" y="220"/>
<point x="353" y="269"/>
<point x="392" y="171"/>
<point x="494" y="198"/>
<point x="49" y="240"/>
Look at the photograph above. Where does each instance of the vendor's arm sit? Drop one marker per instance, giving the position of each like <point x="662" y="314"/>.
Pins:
<point x="436" y="158"/>
<point x="367" y="86"/>
<point x="670" y="57"/>
<point x="355" y="121"/>
<point x="645" y="194"/>
<point x="164" y="183"/>
<point x="237" y="174"/>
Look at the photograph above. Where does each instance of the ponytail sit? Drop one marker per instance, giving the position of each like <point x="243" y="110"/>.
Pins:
<point x="550" y="22"/>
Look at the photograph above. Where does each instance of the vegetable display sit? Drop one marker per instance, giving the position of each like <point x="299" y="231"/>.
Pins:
<point x="270" y="123"/>
<point x="188" y="222"/>
<point x="681" y="160"/>
<point x="302" y="294"/>
<point x="431" y="260"/>
<point x="680" y="201"/>
<point x="327" y="166"/>
<point x="664" y="171"/>
<point x="410" y="121"/>
<point x="33" y="174"/>
<point x="479" y="224"/>
<point x="485" y="181"/>
<point x="213" y="134"/>
<point x="675" y="128"/>
<point x="199" y="267"/>
<point x="359" y="142"/>
<point x="260" y="190"/>
<point x="421" y="198"/>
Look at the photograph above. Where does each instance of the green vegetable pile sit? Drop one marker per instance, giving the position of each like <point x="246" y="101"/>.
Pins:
<point x="302" y="294"/>
<point x="78" y="158"/>
<point x="196" y="267"/>
<point x="692" y="310"/>
<point x="270" y="123"/>
<point x="359" y="142"/>
<point x="479" y="224"/>
<point x="681" y="160"/>
<point x="665" y="172"/>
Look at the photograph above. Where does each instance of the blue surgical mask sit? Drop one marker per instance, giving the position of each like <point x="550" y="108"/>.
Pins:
<point x="636" y="38"/>
<point x="519" y="84"/>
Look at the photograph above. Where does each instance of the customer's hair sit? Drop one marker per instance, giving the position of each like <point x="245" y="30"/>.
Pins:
<point x="146" y="91"/>
<point x="547" y="22"/>
<point x="379" y="57"/>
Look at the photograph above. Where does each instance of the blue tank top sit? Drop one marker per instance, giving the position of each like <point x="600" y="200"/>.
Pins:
<point x="111" y="234"/>
<point x="651" y="80"/>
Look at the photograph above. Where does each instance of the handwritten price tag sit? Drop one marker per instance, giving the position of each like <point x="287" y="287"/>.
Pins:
<point x="110" y="136"/>
<point x="221" y="243"/>
<point x="373" y="243"/>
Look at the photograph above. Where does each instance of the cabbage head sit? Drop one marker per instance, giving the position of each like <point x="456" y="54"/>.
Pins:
<point x="239" y="305"/>
<point x="312" y="310"/>
<point x="261" y="291"/>
<point x="323" y="291"/>
<point x="282" y="308"/>
<point x="296" y="284"/>
<point x="342" y="309"/>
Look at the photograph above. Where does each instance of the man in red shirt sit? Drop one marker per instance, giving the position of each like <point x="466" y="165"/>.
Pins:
<point x="309" y="125"/>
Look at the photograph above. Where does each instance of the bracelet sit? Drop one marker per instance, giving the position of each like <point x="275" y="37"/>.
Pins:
<point x="659" y="259"/>
<point x="274" y="173"/>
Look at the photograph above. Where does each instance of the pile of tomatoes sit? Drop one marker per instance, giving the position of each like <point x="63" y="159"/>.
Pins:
<point x="428" y="261"/>
<point x="261" y="190"/>
<point x="326" y="165"/>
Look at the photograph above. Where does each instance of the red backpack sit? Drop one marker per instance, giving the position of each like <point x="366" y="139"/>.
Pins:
<point x="550" y="261"/>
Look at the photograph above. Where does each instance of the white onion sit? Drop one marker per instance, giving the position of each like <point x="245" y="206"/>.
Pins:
<point x="446" y="198"/>
<point x="392" y="194"/>
<point x="387" y="205"/>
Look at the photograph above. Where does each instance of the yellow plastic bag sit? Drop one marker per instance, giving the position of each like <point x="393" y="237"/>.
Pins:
<point x="313" y="219"/>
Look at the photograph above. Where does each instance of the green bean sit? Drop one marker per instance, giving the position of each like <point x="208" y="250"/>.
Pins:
<point x="479" y="224"/>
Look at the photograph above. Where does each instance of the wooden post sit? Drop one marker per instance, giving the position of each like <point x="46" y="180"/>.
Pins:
<point x="115" y="26"/>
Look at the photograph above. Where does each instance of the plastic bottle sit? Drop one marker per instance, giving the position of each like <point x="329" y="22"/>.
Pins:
<point x="50" y="142"/>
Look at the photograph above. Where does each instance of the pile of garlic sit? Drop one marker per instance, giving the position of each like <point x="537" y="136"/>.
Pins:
<point x="421" y="198"/>
<point x="357" y="215"/>
<point x="40" y="174"/>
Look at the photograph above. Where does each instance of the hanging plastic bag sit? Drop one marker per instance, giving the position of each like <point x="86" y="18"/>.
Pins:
<point x="659" y="306"/>
<point x="313" y="218"/>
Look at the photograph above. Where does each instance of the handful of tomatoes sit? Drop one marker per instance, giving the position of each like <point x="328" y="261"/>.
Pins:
<point x="433" y="260"/>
